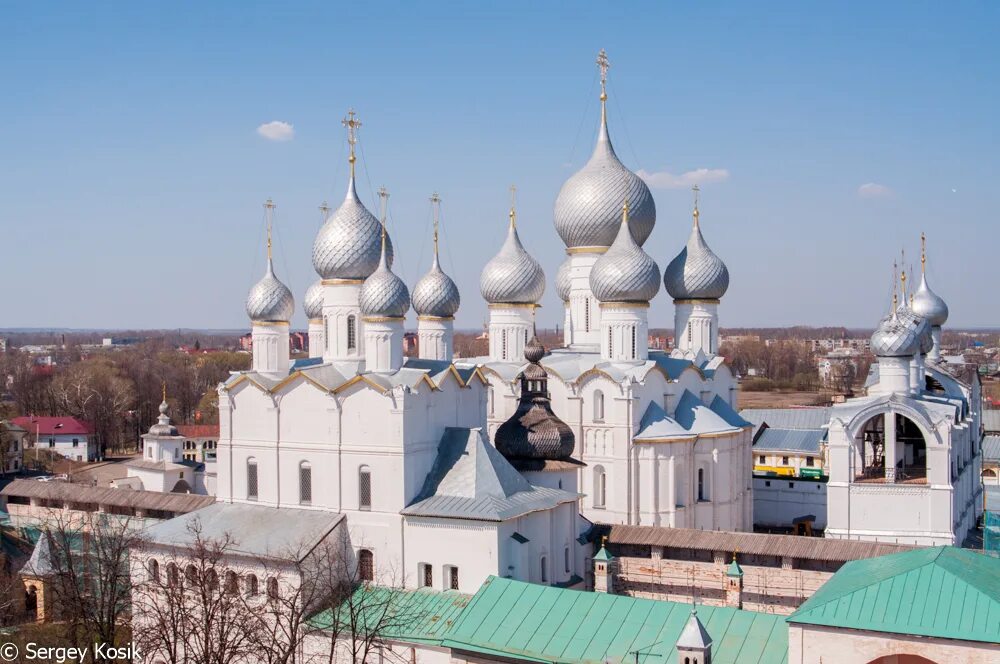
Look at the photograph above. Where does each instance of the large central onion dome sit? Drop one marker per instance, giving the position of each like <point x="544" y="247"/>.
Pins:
<point x="625" y="273"/>
<point x="895" y="337"/>
<point x="589" y="203"/>
<point x="313" y="303"/>
<point x="696" y="273"/>
<point x="348" y="244"/>
<point x="534" y="434"/>
<point x="436" y="294"/>
<point x="512" y="276"/>
<point x="383" y="294"/>
<point x="270" y="301"/>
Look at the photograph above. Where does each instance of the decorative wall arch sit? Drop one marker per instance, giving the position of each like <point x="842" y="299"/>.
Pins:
<point x="927" y="428"/>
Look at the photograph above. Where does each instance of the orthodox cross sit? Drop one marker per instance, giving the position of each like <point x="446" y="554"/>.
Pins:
<point x="602" y="62"/>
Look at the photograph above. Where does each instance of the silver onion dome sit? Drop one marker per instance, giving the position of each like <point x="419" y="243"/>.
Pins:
<point x="313" y="303"/>
<point x="512" y="276"/>
<point x="383" y="294"/>
<point x="436" y="293"/>
<point x="588" y="207"/>
<point x="920" y="327"/>
<point x="349" y="242"/>
<point x="625" y="273"/>
<point x="270" y="300"/>
<point x="564" y="282"/>
<point x="929" y="304"/>
<point x="696" y="273"/>
<point x="895" y="338"/>
<point x="163" y="427"/>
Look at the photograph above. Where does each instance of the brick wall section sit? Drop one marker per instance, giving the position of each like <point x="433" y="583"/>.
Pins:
<point x="765" y="588"/>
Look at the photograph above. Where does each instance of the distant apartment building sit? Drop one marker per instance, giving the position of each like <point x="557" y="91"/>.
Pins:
<point x="70" y="437"/>
<point x="839" y="367"/>
<point x="12" y="440"/>
<point x="200" y="440"/>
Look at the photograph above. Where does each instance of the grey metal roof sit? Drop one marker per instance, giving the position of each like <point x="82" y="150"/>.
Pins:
<point x="40" y="563"/>
<point x="790" y="440"/>
<point x="470" y="479"/>
<point x="696" y="272"/>
<point x="270" y="299"/>
<point x="991" y="448"/>
<point x="691" y="418"/>
<point x="163" y="465"/>
<point x="257" y="530"/>
<point x="788" y="418"/>
<point x="991" y="421"/>
<point x="79" y="493"/>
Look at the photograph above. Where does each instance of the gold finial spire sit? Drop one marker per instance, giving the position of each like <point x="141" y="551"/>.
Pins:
<point x="352" y="123"/>
<point x="513" y="206"/>
<point x="383" y="194"/>
<point x="324" y="210"/>
<point x="923" y="253"/>
<point x="902" y="282"/>
<point x="625" y="212"/>
<point x="164" y="385"/>
<point x="895" y="300"/>
<point x="696" y="189"/>
<point x="436" y="208"/>
<point x="269" y="207"/>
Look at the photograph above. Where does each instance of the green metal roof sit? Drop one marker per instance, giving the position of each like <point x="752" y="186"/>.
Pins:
<point x="536" y="623"/>
<point x="941" y="591"/>
<point x="734" y="568"/>
<point x="419" y="616"/>
<point x="603" y="555"/>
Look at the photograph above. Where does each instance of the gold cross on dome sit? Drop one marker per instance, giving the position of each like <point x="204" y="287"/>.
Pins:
<point x="604" y="64"/>
<point x="513" y="204"/>
<point x="353" y="124"/>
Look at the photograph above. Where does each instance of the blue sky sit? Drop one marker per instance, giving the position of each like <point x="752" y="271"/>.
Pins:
<point x="133" y="177"/>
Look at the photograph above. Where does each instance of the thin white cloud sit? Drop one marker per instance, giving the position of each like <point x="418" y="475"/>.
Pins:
<point x="665" y="180"/>
<point x="276" y="130"/>
<point x="874" y="190"/>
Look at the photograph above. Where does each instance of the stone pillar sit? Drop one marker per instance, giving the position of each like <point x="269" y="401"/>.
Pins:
<point x="890" y="447"/>
<point x="270" y="348"/>
<point x="317" y="334"/>
<point x="511" y="325"/>
<point x="624" y="331"/>
<point x="383" y="344"/>
<point x="343" y="336"/>
<point x="435" y="337"/>
<point x="696" y="326"/>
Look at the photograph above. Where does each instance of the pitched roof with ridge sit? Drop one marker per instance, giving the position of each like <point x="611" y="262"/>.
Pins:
<point x="470" y="479"/>
<point x="808" y="417"/>
<point x="941" y="591"/>
<point x="530" y="622"/>
<point x="50" y="426"/>
<point x="991" y="448"/>
<point x="991" y="420"/>
<point x="790" y="440"/>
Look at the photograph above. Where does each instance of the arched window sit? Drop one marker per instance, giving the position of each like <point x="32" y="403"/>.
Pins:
<point x="633" y="343"/>
<point x="191" y="575"/>
<point x="600" y="486"/>
<point x="251" y="585"/>
<point x="305" y="483"/>
<point x="154" y="570"/>
<point x="173" y="575"/>
<point x="586" y="315"/>
<point x="503" y="344"/>
<point x="364" y="488"/>
<point x="566" y="559"/>
<point x="366" y="565"/>
<point x="988" y="473"/>
<point x="598" y="405"/>
<point x="352" y="332"/>
<point x="232" y="583"/>
<point x="272" y="588"/>
<point x="690" y="333"/>
<point x="545" y="569"/>
<point x="326" y="333"/>
<point x="251" y="479"/>
<point x="212" y="580"/>
<point x="610" y="341"/>
<point x="702" y="489"/>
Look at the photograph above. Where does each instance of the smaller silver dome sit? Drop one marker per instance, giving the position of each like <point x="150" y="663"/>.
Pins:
<point x="625" y="273"/>
<point x="512" y="276"/>
<point x="270" y="300"/>
<point x="436" y="294"/>
<point x="163" y="427"/>
<point x="383" y="294"/>
<point x="929" y="304"/>
<point x="696" y="273"/>
<point x="919" y="325"/>
<point x="564" y="282"/>
<point x="313" y="303"/>
<point x="348" y="244"/>
<point x="895" y="338"/>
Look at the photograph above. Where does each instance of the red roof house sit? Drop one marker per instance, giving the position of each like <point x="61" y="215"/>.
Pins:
<point x="51" y="426"/>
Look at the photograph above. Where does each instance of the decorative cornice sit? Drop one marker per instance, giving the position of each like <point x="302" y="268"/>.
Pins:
<point x="585" y="250"/>
<point x="436" y="318"/>
<point x="634" y="305"/>
<point x="514" y="305"/>
<point x="698" y="301"/>
<point x="383" y="319"/>
<point x="269" y="323"/>
<point x="342" y="282"/>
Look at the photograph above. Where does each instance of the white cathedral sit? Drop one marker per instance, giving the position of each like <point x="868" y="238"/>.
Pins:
<point x="450" y="470"/>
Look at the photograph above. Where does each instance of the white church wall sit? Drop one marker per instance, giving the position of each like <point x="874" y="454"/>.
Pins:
<point x="777" y="501"/>
<point x="471" y="546"/>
